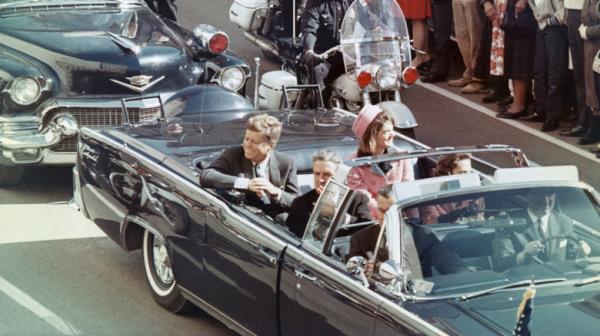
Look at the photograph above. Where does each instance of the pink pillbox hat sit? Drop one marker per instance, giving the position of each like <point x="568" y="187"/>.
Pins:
<point x="364" y="118"/>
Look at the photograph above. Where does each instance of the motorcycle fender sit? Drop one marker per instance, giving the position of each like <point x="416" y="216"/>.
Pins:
<point x="347" y="87"/>
<point x="403" y="116"/>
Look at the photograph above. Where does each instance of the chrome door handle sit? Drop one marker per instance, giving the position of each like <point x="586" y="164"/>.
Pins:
<point x="303" y="274"/>
<point x="269" y="255"/>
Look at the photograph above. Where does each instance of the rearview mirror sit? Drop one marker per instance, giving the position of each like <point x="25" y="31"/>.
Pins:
<point x="355" y="263"/>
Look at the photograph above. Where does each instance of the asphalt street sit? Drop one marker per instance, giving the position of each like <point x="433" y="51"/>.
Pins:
<point x="60" y="276"/>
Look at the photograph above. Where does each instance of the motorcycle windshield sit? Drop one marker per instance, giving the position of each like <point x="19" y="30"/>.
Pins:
<point x="374" y="32"/>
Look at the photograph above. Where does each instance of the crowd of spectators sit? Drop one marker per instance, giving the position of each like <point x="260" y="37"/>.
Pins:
<point x="536" y="59"/>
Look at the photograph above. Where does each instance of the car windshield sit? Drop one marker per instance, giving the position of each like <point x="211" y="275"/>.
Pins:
<point x="477" y="240"/>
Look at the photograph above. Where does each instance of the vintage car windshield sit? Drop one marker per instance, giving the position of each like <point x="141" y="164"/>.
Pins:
<point x="373" y="31"/>
<point x="481" y="233"/>
<point x="140" y="26"/>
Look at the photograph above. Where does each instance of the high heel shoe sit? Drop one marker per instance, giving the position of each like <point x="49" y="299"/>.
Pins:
<point x="512" y="115"/>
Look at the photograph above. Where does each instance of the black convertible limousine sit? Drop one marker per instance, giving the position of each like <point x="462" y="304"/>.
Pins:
<point x="206" y="247"/>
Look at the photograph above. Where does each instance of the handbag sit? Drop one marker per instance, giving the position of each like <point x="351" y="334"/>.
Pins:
<point x="522" y="24"/>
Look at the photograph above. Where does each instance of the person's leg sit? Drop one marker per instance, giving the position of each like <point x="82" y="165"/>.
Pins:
<point x="441" y="12"/>
<point x="481" y="70"/>
<point x="461" y="33"/>
<point x="540" y="75"/>
<point x="520" y="95"/>
<point x="576" y="47"/>
<point x="557" y="51"/>
<point x="420" y="40"/>
<point x="473" y="18"/>
<point x="592" y="134"/>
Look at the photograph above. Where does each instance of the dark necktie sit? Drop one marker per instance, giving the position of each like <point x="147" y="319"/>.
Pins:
<point x="258" y="173"/>
<point x="539" y="228"/>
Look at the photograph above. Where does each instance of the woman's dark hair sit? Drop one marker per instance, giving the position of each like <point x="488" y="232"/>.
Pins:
<point x="446" y="164"/>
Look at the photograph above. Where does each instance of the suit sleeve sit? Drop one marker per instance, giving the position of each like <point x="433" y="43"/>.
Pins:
<point x="503" y="252"/>
<point x="298" y="217"/>
<point x="310" y="25"/>
<point x="291" y="189"/>
<point x="216" y="175"/>
<point x="360" y="208"/>
<point x="357" y="182"/>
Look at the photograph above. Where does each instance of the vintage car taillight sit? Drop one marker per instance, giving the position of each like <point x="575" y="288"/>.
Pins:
<point x="410" y="75"/>
<point x="218" y="43"/>
<point x="364" y="78"/>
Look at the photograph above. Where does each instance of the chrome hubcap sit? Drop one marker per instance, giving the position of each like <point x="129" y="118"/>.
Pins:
<point x="161" y="262"/>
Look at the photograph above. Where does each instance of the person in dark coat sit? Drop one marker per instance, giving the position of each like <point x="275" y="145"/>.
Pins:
<point x="430" y="250"/>
<point x="511" y="247"/>
<point x="268" y="177"/>
<point x="324" y="166"/>
<point x="590" y="32"/>
<point x="320" y="26"/>
<point x="164" y="8"/>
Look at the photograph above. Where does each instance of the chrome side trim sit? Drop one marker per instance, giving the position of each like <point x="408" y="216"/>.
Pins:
<point x="219" y="315"/>
<point x="56" y="158"/>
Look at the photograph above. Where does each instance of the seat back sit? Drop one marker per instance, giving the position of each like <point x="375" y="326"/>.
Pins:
<point x="473" y="247"/>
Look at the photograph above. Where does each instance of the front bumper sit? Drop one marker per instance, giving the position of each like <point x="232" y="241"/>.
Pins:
<point x="25" y="148"/>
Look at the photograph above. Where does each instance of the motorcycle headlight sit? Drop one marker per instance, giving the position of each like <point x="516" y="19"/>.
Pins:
<point x="25" y="91"/>
<point x="232" y="78"/>
<point x="387" y="77"/>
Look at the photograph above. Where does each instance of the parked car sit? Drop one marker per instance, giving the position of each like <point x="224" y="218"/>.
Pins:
<point x="207" y="247"/>
<point x="68" y="63"/>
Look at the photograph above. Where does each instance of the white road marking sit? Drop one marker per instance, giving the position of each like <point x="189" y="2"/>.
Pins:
<point x="37" y="308"/>
<point x="459" y="99"/>
<point x="38" y="222"/>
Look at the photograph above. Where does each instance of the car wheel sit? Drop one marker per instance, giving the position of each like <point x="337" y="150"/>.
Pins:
<point x="159" y="275"/>
<point x="10" y="175"/>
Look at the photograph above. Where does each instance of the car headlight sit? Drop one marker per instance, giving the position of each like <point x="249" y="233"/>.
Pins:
<point x="25" y="91"/>
<point x="387" y="77"/>
<point x="232" y="78"/>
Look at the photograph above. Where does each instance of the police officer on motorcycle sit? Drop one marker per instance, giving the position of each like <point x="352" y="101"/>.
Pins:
<point x="320" y="25"/>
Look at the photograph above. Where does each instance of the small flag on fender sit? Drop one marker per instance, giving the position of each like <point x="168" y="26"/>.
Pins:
<point x="524" y="313"/>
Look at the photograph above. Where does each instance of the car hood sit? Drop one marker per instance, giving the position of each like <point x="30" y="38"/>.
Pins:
<point x="92" y="51"/>
<point x="557" y="311"/>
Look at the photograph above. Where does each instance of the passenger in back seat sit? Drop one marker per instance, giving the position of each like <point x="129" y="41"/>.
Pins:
<point x="324" y="166"/>
<point x="453" y="164"/>
<point x="375" y="129"/>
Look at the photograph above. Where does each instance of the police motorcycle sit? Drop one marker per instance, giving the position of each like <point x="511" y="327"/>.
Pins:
<point x="272" y="25"/>
<point x="376" y="49"/>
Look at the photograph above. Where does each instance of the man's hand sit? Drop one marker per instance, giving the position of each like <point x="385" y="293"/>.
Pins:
<point x="520" y="6"/>
<point x="369" y="268"/>
<point x="532" y="248"/>
<point x="310" y="58"/>
<point x="583" y="31"/>
<point x="261" y="185"/>
<point x="489" y="10"/>
<point x="583" y="249"/>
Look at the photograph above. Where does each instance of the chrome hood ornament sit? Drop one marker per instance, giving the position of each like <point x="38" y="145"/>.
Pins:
<point x="139" y="83"/>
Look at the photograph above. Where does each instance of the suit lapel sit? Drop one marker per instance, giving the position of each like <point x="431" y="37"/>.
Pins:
<point x="553" y="231"/>
<point x="274" y="174"/>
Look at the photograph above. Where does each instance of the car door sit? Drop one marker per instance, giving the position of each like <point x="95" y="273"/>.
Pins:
<point x="230" y="261"/>
<point x="318" y="297"/>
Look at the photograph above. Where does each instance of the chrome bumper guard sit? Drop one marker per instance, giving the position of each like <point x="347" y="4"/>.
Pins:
<point x="27" y="148"/>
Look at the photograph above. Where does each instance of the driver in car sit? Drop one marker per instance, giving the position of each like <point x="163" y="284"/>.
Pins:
<point x="267" y="176"/>
<point x="546" y="238"/>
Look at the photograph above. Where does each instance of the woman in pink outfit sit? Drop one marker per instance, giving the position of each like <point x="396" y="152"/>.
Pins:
<point x="375" y="129"/>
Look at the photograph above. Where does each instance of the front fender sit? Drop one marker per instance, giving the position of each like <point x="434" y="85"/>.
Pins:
<point x="403" y="116"/>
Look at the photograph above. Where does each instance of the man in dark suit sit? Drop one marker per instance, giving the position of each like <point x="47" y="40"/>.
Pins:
<point x="430" y="251"/>
<point x="268" y="177"/>
<point x="324" y="166"/>
<point x="546" y="238"/>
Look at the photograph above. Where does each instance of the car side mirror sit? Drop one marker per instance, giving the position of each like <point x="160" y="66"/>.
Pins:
<point x="390" y="271"/>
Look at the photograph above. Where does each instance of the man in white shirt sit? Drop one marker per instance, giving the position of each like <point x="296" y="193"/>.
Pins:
<point x="268" y="177"/>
